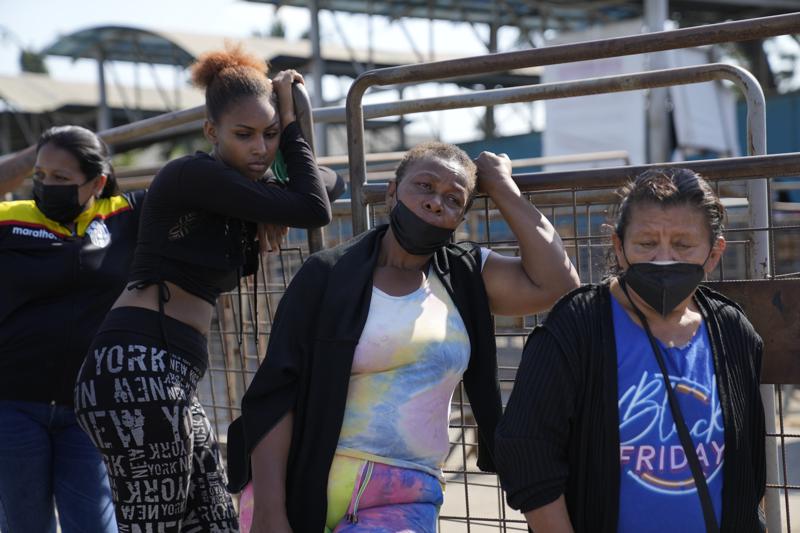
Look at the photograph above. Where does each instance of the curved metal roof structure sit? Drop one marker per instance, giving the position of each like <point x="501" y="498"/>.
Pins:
<point x="130" y="44"/>
<point x="120" y="43"/>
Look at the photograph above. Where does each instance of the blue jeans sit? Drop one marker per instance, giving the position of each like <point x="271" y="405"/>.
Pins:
<point x="47" y="459"/>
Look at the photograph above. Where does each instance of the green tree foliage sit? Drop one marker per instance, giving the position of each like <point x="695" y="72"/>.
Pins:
<point x="277" y="29"/>
<point x="30" y="61"/>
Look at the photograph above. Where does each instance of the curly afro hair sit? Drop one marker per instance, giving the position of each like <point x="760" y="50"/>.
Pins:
<point x="229" y="75"/>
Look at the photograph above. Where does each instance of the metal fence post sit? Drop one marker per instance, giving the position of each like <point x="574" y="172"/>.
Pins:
<point x="759" y="268"/>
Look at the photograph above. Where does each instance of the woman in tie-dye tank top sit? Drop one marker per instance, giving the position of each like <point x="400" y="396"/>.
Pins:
<point x="346" y="423"/>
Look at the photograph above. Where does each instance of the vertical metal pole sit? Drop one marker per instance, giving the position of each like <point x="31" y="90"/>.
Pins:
<point x="317" y="71"/>
<point x="5" y="144"/>
<point x="305" y="119"/>
<point x="355" y="153"/>
<point x="758" y="267"/>
<point x="488" y="117"/>
<point x="5" y="136"/>
<point x="178" y="83"/>
<point x="758" y="201"/>
<point x="772" y="499"/>
<point x="316" y="239"/>
<point x="401" y="89"/>
<point x="137" y="91"/>
<point x="431" y="34"/>
<point x="658" y="130"/>
<point x="103" y="112"/>
<point x="370" y="41"/>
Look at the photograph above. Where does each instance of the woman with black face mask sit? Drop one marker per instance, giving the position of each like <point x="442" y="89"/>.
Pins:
<point x="345" y="424"/>
<point x="637" y="405"/>
<point x="64" y="258"/>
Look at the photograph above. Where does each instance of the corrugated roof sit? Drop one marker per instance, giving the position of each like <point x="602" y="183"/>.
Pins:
<point x="39" y="93"/>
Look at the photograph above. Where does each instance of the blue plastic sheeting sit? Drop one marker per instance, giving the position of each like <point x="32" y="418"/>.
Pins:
<point x="783" y="131"/>
<point x="516" y="146"/>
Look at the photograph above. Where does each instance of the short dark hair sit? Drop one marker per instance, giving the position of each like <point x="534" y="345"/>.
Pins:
<point x="228" y="76"/>
<point x="666" y="187"/>
<point x="91" y="152"/>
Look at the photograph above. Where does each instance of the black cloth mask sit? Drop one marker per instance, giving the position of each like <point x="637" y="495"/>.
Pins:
<point x="57" y="202"/>
<point x="414" y="235"/>
<point x="664" y="284"/>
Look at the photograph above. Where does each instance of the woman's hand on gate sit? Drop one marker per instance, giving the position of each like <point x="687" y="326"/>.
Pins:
<point x="282" y="83"/>
<point x="532" y="282"/>
<point x="494" y="174"/>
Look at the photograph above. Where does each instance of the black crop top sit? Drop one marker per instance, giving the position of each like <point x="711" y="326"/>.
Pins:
<point x="198" y="223"/>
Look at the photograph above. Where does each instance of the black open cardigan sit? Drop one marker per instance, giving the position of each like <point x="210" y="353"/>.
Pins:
<point x="309" y="358"/>
<point x="560" y="432"/>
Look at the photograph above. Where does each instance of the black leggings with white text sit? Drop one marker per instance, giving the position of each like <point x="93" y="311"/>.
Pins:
<point x="136" y="400"/>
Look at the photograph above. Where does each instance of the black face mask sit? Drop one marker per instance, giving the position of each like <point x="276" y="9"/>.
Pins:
<point x="57" y="202"/>
<point x="663" y="285"/>
<point x="414" y="235"/>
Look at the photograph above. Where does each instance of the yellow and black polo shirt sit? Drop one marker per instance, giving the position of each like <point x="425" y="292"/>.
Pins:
<point x="57" y="286"/>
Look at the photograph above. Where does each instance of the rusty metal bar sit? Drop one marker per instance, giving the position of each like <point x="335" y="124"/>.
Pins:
<point x="439" y="70"/>
<point x="391" y="158"/>
<point x="133" y="178"/>
<point x="548" y="91"/>
<point x="756" y="105"/>
<point x="304" y="112"/>
<point x="730" y="168"/>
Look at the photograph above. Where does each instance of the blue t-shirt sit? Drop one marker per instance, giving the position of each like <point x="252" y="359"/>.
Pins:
<point x="657" y="491"/>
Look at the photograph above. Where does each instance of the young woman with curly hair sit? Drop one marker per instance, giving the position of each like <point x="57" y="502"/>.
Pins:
<point x="135" y="395"/>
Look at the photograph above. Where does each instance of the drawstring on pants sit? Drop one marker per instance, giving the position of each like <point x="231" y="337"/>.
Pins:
<point x="163" y="297"/>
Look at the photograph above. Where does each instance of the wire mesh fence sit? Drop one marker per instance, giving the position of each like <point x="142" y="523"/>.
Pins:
<point x="474" y="500"/>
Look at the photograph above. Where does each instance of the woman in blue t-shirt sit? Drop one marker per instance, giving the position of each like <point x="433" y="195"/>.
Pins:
<point x="592" y="440"/>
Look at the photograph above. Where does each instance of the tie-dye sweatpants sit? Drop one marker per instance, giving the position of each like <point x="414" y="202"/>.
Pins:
<point x="369" y="496"/>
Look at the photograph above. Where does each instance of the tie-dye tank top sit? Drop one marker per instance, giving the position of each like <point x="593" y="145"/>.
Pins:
<point x="409" y="359"/>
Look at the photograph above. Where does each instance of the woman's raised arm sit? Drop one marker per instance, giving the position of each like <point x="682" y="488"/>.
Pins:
<point x="533" y="282"/>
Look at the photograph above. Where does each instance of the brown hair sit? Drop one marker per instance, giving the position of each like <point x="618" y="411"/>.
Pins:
<point x="443" y="151"/>
<point x="228" y="76"/>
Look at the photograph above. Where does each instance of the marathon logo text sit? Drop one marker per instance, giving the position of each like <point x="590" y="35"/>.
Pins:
<point x="37" y="233"/>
